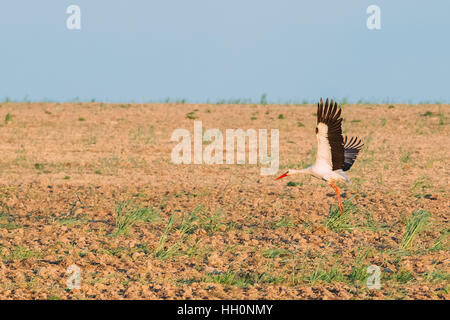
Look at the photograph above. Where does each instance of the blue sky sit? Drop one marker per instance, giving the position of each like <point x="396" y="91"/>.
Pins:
<point x="145" y="50"/>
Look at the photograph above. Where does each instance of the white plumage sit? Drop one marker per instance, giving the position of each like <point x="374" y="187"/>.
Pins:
<point x="334" y="153"/>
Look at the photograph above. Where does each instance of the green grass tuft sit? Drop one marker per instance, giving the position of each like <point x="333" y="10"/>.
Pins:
<point x="415" y="224"/>
<point x="275" y="253"/>
<point x="404" y="276"/>
<point x="284" y="222"/>
<point x="8" y="118"/>
<point x="427" y="114"/>
<point x="128" y="214"/>
<point x="325" y="275"/>
<point x="162" y="252"/>
<point x="406" y="157"/>
<point x="337" y="222"/>
<point x="358" y="272"/>
<point x="294" y="184"/>
<point x="191" y="115"/>
<point x="38" y="166"/>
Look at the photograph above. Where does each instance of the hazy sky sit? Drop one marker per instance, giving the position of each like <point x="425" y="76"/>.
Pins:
<point x="144" y="50"/>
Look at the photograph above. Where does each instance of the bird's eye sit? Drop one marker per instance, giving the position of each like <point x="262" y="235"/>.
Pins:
<point x="317" y="130"/>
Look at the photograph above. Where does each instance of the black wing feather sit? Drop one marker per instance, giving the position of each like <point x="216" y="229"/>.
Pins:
<point x="329" y="114"/>
<point x="351" y="150"/>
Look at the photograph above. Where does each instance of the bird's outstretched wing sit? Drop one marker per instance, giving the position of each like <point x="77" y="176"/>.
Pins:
<point x="330" y="149"/>
<point x="351" y="150"/>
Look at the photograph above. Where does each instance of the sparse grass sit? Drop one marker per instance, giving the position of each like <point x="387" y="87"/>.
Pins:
<point x="189" y="223"/>
<point x="281" y="117"/>
<point x="212" y="223"/>
<point x="434" y="276"/>
<point x="108" y="166"/>
<point x="441" y="118"/>
<point x="9" y="226"/>
<point x="322" y="274"/>
<point x="294" y="184"/>
<point x="427" y="114"/>
<point x="8" y="118"/>
<point x="241" y="279"/>
<point x="369" y="223"/>
<point x="403" y="276"/>
<point x="90" y="140"/>
<point x="421" y="187"/>
<point x="443" y="241"/>
<point x="405" y="157"/>
<point x="275" y="253"/>
<point x="129" y="213"/>
<point x="144" y="135"/>
<point x="162" y="251"/>
<point x="337" y="222"/>
<point x="230" y="278"/>
<point x="73" y="221"/>
<point x="415" y="224"/>
<point x="284" y="222"/>
<point x="191" y="115"/>
<point x="39" y="166"/>
<point x="6" y="219"/>
<point x="19" y="253"/>
<point x="233" y="101"/>
<point x="358" y="272"/>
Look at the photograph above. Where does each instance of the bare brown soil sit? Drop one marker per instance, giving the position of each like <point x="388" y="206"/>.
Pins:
<point x="218" y="231"/>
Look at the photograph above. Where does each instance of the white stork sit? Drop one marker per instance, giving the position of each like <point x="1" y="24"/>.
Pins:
<point x="335" y="154"/>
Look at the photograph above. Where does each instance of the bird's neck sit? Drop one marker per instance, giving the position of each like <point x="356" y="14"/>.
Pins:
<point x="301" y="171"/>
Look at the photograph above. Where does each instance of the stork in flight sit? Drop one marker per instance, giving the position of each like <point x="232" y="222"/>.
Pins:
<point x="335" y="154"/>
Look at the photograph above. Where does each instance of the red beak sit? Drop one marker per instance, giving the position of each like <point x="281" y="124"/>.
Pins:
<point x="282" y="176"/>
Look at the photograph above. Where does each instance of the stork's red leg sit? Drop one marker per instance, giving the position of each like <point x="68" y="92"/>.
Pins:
<point x="341" y="206"/>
